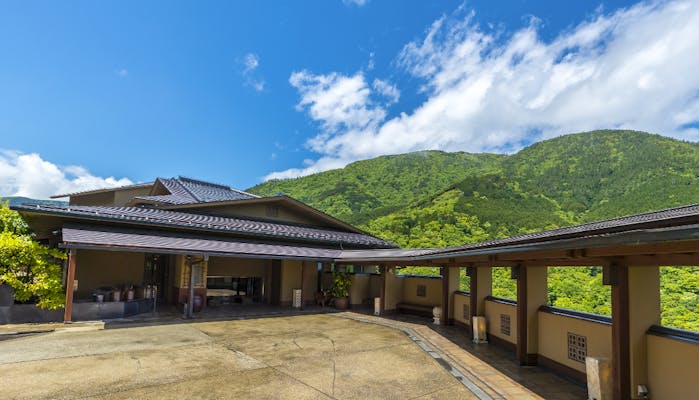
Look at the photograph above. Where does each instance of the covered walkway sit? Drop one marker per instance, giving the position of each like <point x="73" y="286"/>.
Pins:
<point x="630" y="252"/>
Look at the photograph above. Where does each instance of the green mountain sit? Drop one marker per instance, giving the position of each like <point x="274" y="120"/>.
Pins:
<point x="558" y="182"/>
<point x="437" y="199"/>
<point x="17" y="200"/>
<point x="367" y="189"/>
<point x="606" y="174"/>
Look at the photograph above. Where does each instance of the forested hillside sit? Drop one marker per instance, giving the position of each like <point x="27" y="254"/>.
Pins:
<point x="367" y="189"/>
<point x="17" y="200"/>
<point x="436" y="199"/>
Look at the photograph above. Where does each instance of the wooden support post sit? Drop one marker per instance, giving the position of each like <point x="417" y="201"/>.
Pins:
<point x="303" y="283"/>
<point x="482" y="287"/>
<point x="444" y="271"/>
<point x="190" y="301"/>
<point x="70" y="284"/>
<point x="382" y="289"/>
<point x="520" y="273"/>
<point x="617" y="276"/>
<point x="472" y="273"/>
<point x="532" y="293"/>
<point x="450" y="284"/>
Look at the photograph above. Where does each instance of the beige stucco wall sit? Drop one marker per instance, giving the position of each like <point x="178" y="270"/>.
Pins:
<point x="284" y="214"/>
<point x="117" y="197"/>
<point x="360" y="289"/>
<point x="124" y="196"/>
<point x="537" y="295"/>
<point x="310" y="281"/>
<point x="459" y="300"/>
<point x="433" y="295"/>
<point x="673" y="368"/>
<point x="238" y="267"/>
<point x="291" y="279"/>
<point x="493" y="310"/>
<point x="95" y="199"/>
<point x="644" y="312"/>
<point x="96" y="268"/>
<point x="394" y="290"/>
<point x="553" y="338"/>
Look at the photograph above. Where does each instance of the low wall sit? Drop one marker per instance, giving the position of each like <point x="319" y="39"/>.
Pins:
<point x="494" y="309"/>
<point x="360" y="290"/>
<point x="554" y="326"/>
<point x="432" y="285"/>
<point x="673" y="364"/>
<point x="460" y="315"/>
<point x="394" y="290"/>
<point x="24" y="313"/>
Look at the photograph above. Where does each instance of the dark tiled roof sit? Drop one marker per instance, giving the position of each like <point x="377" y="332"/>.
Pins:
<point x="383" y="253"/>
<point x="186" y="244"/>
<point x="150" y="216"/>
<point x="191" y="191"/>
<point x="655" y="219"/>
<point x="685" y="216"/>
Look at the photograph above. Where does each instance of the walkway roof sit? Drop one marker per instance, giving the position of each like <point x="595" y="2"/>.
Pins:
<point x="110" y="238"/>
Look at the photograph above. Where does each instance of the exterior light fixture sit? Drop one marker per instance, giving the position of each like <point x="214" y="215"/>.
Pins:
<point x="479" y="330"/>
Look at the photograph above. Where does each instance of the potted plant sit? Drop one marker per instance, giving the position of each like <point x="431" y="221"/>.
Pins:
<point x="340" y="289"/>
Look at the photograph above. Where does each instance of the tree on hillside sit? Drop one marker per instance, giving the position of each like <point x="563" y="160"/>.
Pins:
<point x="31" y="269"/>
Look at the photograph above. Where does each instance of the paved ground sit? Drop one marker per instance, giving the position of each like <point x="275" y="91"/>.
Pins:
<point x="491" y="371"/>
<point x="299" y="357"/>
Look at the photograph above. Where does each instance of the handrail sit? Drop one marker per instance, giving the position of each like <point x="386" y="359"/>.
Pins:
<point x="674" y="333"/>
<point x="463" y="293"/>
<point x="502" y="300"/>
<point x="419" y="276"/>
<point x="600" y="319"/>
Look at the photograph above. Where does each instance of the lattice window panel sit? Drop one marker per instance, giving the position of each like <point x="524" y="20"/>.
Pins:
<point x="467" y="312"/>
<point x="505" y="324"/>
<point x="577" y="347"/>
<point x="421" y="290"/>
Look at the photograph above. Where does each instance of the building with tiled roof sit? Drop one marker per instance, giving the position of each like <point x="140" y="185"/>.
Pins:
<point x="175" y="239"/>
<point x="149" y="237"/>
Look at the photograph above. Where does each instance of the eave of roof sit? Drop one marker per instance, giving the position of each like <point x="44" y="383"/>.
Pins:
<point x="200" y="222"/>
<point x="632" y="227"/>
<point x="106" y="238"/>
<point x="634" y="237"/>
<point x="104" y="190"/>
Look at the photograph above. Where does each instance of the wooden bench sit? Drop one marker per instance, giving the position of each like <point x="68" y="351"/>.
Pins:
<point x="415" y="309"/>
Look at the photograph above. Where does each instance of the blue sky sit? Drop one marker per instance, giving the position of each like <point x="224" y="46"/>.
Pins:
<point x="104" y="93"/>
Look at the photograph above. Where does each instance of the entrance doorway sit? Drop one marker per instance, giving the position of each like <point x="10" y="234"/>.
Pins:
<point x="233" y="290"/>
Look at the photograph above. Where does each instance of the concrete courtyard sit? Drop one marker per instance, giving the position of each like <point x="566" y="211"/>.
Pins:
<point x="289" y="357"/>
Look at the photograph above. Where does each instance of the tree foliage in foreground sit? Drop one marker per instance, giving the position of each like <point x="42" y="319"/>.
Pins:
<point x="31" y="269"/>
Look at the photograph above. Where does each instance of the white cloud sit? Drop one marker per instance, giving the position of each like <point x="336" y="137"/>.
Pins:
<point x="122" y="72"/>
<point x="633" y="68"/>
<point x="371" y="64"/>
<point x="387" y="90"/>
<point x="341" y="103"/>
<point x="29" y="175"/>
<point x="250" y="63"/>
<point x="357" y="3"/>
